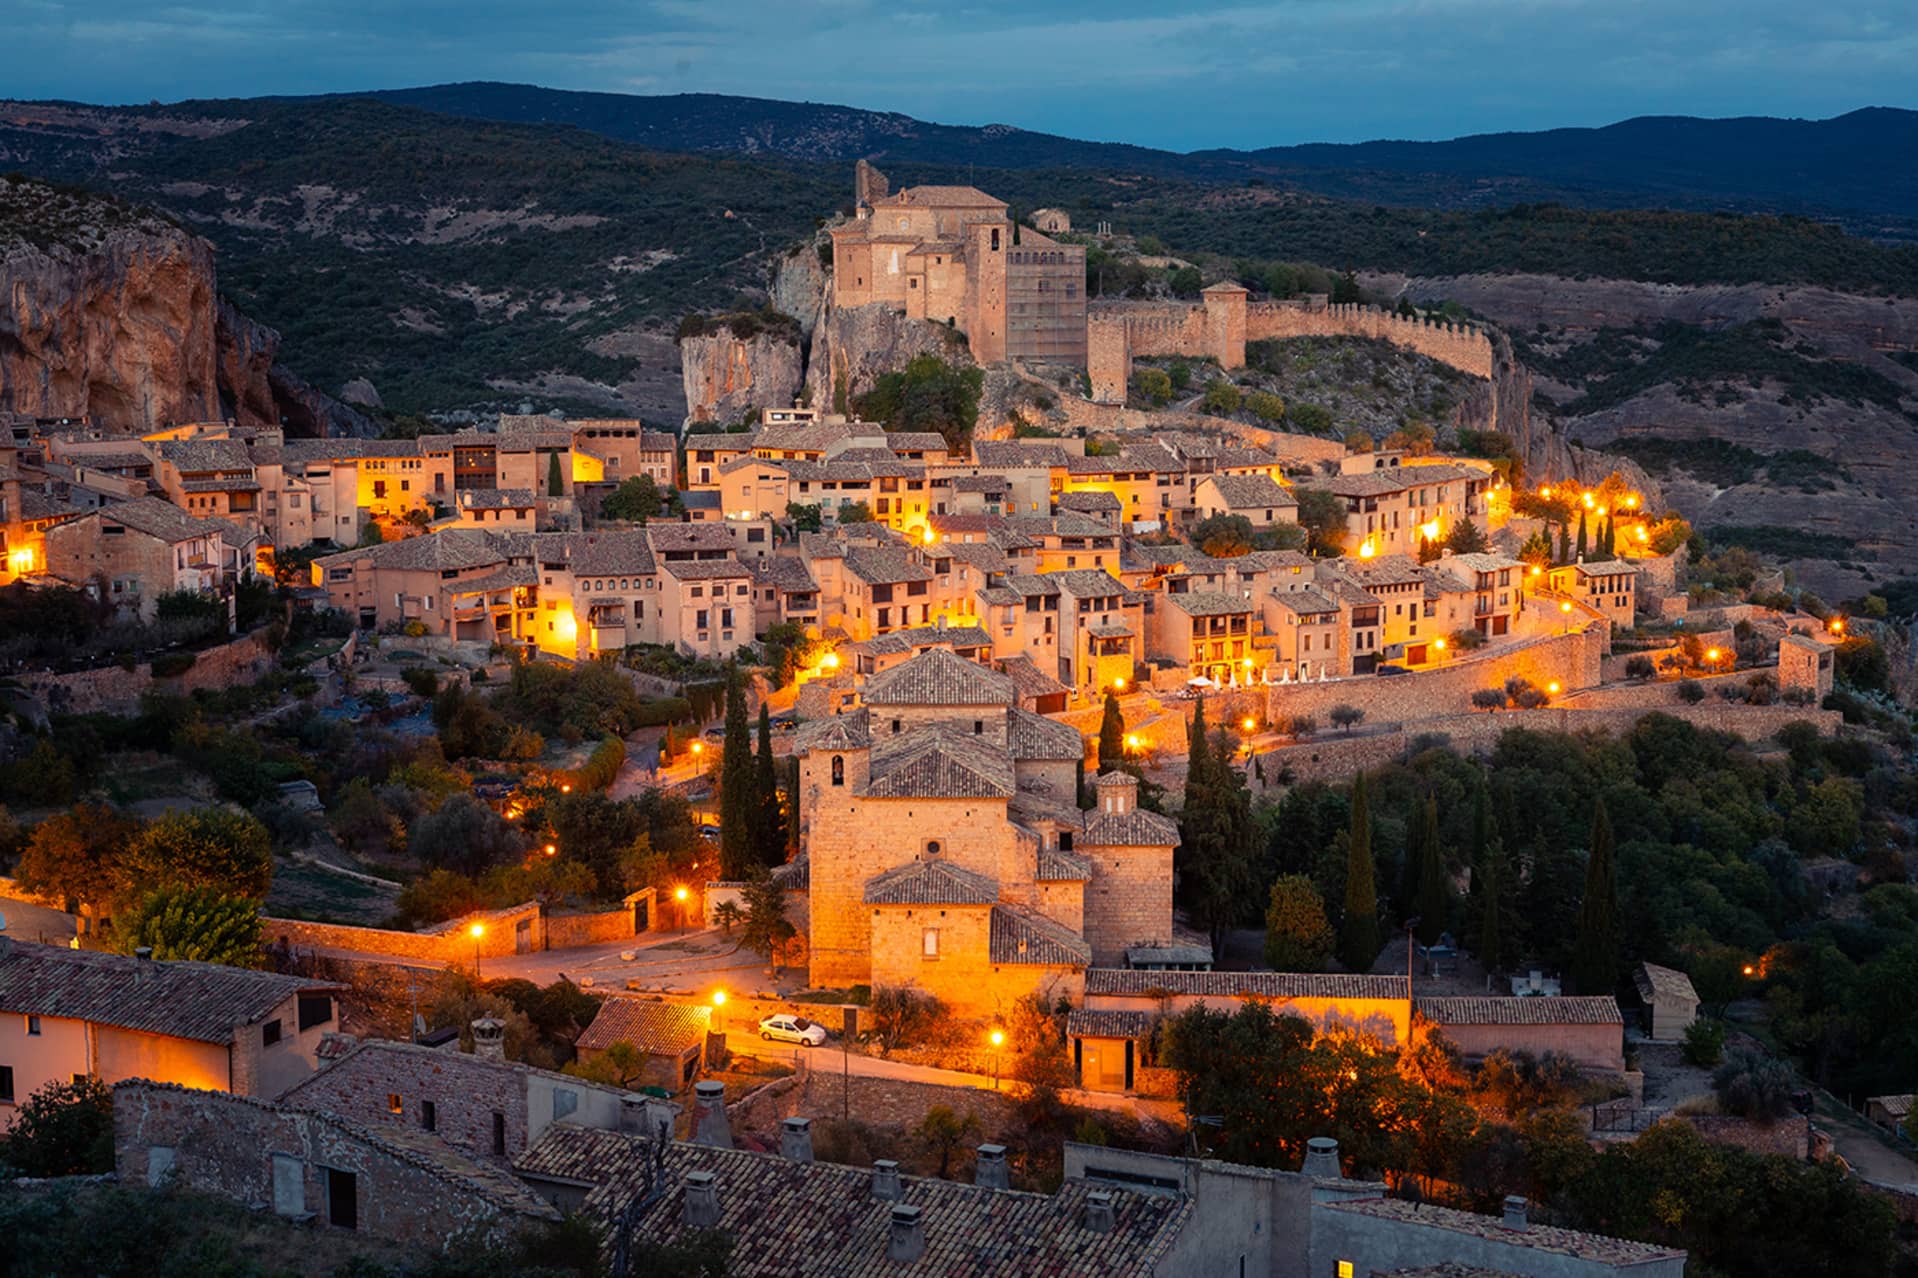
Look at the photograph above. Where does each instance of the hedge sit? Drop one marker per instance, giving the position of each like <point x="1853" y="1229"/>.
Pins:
<point x="666" y="710"/>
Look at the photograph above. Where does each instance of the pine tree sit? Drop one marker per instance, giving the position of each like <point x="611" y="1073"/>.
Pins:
<point x="1583" y="536"/>
<point x="555" y="482"/>
<point x="769" y="832"/>
<point x="1216" y="833"/>
<point x="1112" y="736"/>
<point x="737" y="802"/>
<point x="1595" y="954"/>
<point x="1359" y="929"/>
<point x="1434" y="893"/>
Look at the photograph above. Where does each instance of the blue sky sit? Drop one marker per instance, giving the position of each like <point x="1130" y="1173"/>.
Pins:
<point x="1159" y="73"/>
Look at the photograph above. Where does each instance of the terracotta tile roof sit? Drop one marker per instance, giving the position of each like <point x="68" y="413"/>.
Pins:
<point x="1246" y="492"/>
<point x="1894" y="1106"/>
<point x="1020" y="935"/>
<point x="1654" y="981"/>
<point x="1090" y="503"/>
<point x="452" y="548"/>
<point x="232" y="484"/>
<point x="786" y="1217"/>
<point x="200" y="1001"/>
<point x="1088" y="583"/>
<point x="1395" y="479"/>
<point x="1555" y="1009"/>
<point x="1135" y="829"/>
<point x="1387" y="570"/>
<point x="719" y="442"/>
<point x="937" y="763"/>
<point x="838" y="732"/>
<point x="1032" y="736"/>
<point x="1003" y="596"/>
<point x="1209" y="603"/>
<point x="939" y="677"/>
<point x="1566" y="1242"/>
<point x="981" y="484"/>
<point x="783" y="572"/>
<point x="1480" y="561"/>
<point x="160" y="518"/>
<point x="812" y="437"/>
<point x="1304" y="602"/>
<point x="1089" y="1024"/>
<point x="887" y="565"/>
<point x="930" y="441"/>
<point x="610" y="554"/>
<point x="207" y="454"/>
<point x="703" y="569"/>
<point x="795" y="875"/>
<point x="1027" y="678"/>
<point x="965" y="523"/>
<point x="930" y="883"/>
<point x="966" y="197"/>
<point x="1234" y="457"/>
<point x="1063" y="867"/>
<point x="1016" y="456"/>
<point x="968" y="637"/>
<point x="679" y="537"/>
<point x="496" y="498"/>
<point x="1274" y="985"/>
<point x="655" y="1028"/>
<point x="36" y="505"/>
<point x="1068" y="524"/>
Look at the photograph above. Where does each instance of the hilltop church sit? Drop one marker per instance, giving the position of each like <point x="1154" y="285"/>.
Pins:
<point x="950" y="254"/>
<point x="945" y="848"/>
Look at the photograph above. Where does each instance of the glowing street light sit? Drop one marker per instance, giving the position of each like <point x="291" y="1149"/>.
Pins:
<point x="998" y="1040"/>
<point x="1118" y="685"/>
<point x="476" y="932"/>
<point x="680" y="894"/>
<point x="552" y="849"/>
<point x="1749" y="970"/>
<point x="1836" y="625"/>
<point x="566" y="787"/>
<point x="1439" y="644"/>
<point x="1367" y="549"/>
<point x="1249" y="723"/>
<point x="931" y="536"/>
<point x="829" y="662"/>
<point x="699" y="747"/>
<point x="1552" y="687"/>
<point x="1711" y="654"/>
<point x="1132" y="742"/>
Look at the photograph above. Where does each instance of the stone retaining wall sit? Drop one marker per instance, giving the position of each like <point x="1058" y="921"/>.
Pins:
<point x="115" y="690"/>
<point x="882" y="1102"/>
<point x="1571" y="660"/>
<point x="451" y="942"/>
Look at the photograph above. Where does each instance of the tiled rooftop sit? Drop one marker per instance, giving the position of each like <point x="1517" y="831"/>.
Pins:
<point x="664" y="1028"/>
<point x="930" y="883"/>
<point x="1553" y="1009"/>
<point x="1122" y="981"/>
<point x="1654" y="981"/>
<point x="938" y="763"/>
<point x="1565" y="1242"/>
<point x="1019" y="935"/>
<point x="939" y="677"/>
<point x="1247" y="492"/>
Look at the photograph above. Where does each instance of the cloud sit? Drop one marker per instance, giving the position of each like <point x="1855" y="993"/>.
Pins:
<point x="1159" y="72"/>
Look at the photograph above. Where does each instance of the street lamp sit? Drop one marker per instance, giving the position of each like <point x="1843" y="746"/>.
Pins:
<point x="1132" y="743"/>
<point x="552" y="849"/>
<point x="680" y="894"/>
<point x="1565" y="608"/>
<point x="1118" y="685"/>
<point x="1249" y="723"/>
<point x="719" y="1011"/>
<point x="476" y="932"/>
<point x="998" y="1041"/>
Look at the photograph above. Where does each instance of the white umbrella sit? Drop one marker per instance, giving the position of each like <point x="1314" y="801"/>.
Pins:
<point x="1200" y="682"/>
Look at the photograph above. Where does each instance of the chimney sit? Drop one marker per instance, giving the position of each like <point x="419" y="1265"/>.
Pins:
<point x="1515" y="1213"/>
<point x="1098" y="1212"/>
<point x="990" y="1171"/>
<point x="795" y="1139"/>
<point x="709" y="1115"/>
<point x="1321" y="1158"/>
<point x="702" y="1200"/>
<point x="489" y="1038"/>
<point x="885" y="1180"/>
<point x="144" y="953"/>
<point x="907" y="1241"/>
<point x="1118" y="793"/>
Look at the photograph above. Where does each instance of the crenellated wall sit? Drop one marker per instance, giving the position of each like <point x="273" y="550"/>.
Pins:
<point x="1224" y="322"/>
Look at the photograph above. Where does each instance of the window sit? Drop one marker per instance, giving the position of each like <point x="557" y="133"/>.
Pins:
<point x="6" y="1084"/>
<point x="393" y="1103"/>
<point x="978" y="727"/>
<point x="270" y="1033"/>
<point x="932" y="849"/>
<point x="895" y="727"/>
<point x="929" y="943"/>
<point x="315" y="1009"/>
<point x="33" y="1027"/>
<point x="499" y="1132"/>
<point x="429" y="1116"/>
<point x="342" y="1199"/>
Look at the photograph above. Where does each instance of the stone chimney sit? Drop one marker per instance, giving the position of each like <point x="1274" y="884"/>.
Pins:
<point x="1515" y="1213"/>
<point x="990" y="1171"/>
<point x="906" y="1242"/>
<point x="1322" y="1158"/>
<point x="489" y="1038"/>
<point x="702" y="1200"/>
<point x="709" y="1115"/>
<point x="795" y="1139"/>
<point x="1118" y="793"/>
<point x="885" y="1180"/>
<point x="1099" y="1217"/>
<point x="144" y="953"/>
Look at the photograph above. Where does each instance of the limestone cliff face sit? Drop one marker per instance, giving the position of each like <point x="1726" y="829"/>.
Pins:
<point x="255" y="390"/>
<point x="726" y="376"/>
<point x="799" y="286"/>
<point x="122" y="328"/>
<point x="853" y="348"/>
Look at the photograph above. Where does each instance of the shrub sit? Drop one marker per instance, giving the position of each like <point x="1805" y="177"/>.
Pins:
<point x="1153" y="386"/>
<point x="1691" y="691"/>
<point x="603" y="765"/>
<point x="64" y="1129"/>
<point x="1265" y="406"/>
<point x="1346" y="717"/>
<point x="1639" y="668"/>
<point x="1751" y="1084"/>
<point x="1298" y="936"/>
<point x="422" y="682"/>
<point x="1704" y="1042"/>
<point x="171" y="665"/>
<point x="1489" y="699"/>
<point x="1221" y="397"/>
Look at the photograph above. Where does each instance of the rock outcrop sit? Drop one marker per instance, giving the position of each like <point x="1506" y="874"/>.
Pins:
<point x="852" y="348"/>
<point x="110" y="313"/>
<point x="799" y="285"/>
<point x="727" y="376"/>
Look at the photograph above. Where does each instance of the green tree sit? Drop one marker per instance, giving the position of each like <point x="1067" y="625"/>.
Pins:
<point x="64" y="1129"/>
<point x="1594" y="967"/>
<point x="555" y="482"/>
<point x="767" y="929"/>
<point x="1112" y="735"/>
<point x="769" y="828"/>
<point x="195" y="923"/>
<point x="1434" y="904"/>
<point x="737" y="803"/>
<point x="1298" y="937"/>
<point x="1359" y="928"/>
<point x="638" y="499"/>
<point x="856" y="512"/>
<point x="927" y="395"/>
<point x="78" y="856"/>
<point x="942" y="1131"/>
<point x="1322" y="515"/>
<point x="1466" y="539"/>
<point x="1223" y="536"/>
<point x="464" y="834"/>
<point x="1583" y="536"/>
<point x="1153" y="386"/>
<point x="215" y="848"/>
<point x="1221" y="397"/>
<point x="805" y="518"/>
<point x="1216" y="833"/>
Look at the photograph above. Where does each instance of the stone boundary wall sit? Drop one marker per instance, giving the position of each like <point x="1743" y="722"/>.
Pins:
<point x="598" y="927"/>
<point x="447" y="942"/>
<point x="1790" y="1137"/>
<point x="893" y="1103"/>
<point x="1570" y="659"/>
<point x="115" y="690"/>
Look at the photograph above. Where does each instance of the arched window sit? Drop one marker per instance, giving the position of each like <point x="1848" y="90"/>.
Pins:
<point x="995" y="240"/>
<point x="838" y="770"/>
<point x="932" y="849"/>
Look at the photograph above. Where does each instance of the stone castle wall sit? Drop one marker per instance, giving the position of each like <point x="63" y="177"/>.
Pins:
<point x="1462" y="346"/>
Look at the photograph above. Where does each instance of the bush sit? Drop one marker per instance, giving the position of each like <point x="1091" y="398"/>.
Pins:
<point x="1489" y="699"/>
<point x="654" y="714"/>
<point x="1152" y="386"/>
<point x="603" y="766"/>
<point x="1221" y="397"/>
<point x="422" y="682"/>
<point x="64" y="1129"/>
<point x="1265" y="406"/>
<point x="1704" y="1042"/>
<point x="171" y="665"/>
<point x="1640" y="668"/>
<point x="1298" y="936"/>
<point x="1691" y="691"/>
<point x="1751" y="1084"/>
<point x="1346" y="717"/>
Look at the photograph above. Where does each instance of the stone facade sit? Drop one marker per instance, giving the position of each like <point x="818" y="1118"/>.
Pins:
<point x="311" y="1166"/>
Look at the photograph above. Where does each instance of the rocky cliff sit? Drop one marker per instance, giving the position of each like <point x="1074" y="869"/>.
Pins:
<point x="112" y="313"/>
<point x="728" y="375"/>
<point x="800" y="279"/>
<point x="852" y="348"/>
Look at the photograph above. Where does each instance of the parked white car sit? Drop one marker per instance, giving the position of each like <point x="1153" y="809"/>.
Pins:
<point x="792" y="1029"/>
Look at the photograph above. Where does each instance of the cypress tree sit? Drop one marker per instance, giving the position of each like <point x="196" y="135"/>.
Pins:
<point x="737" y="802"/>
<point x="1565" y="543"/>
<point x="1359" y="929"/>
<point x="1583" y="536"/>
<point x="769" y="833"/>
<point x="792" y="806"/>
<point x="1491" y="936"/>
<point x="1434" y="894"/>
<point x="1112" y="736"/>
<point x="555" y="483"/>
<point x="1595" y="953"/>
<point x="1412" y="867"/>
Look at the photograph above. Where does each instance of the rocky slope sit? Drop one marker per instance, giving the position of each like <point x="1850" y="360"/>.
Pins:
<point x="728" y="376"/>
<point x="852" y="348"/>
<point x="1823" y="380"/>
